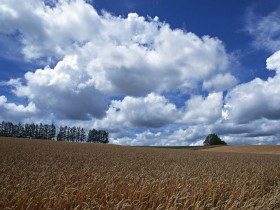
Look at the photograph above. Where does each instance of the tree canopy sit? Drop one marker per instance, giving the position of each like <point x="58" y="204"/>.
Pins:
<point x="213" y="139"/>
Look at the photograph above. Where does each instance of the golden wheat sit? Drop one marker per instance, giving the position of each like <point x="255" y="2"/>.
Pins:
<point x="255" y="149"/>
<point x="58" y="175"/>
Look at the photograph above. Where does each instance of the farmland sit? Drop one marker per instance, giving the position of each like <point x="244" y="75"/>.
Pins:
<point x="37" y="174"/>
<point x="254" y="149"/>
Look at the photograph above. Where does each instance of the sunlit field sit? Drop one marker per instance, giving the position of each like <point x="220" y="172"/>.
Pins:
<point x="38" y="174"/>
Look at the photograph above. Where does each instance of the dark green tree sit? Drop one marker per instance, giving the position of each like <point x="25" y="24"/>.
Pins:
<point x="61" y="134"/>
<point x="104" y="137"/>
<point x="82" y="135"/>
<point x="90" y="136"/>
<point x="20" y="131"/>
<point x="213" y="139"/>
<point x="52" y="132"/>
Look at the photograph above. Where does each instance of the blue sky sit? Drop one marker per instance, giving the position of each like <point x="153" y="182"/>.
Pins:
<point x="150" y="72"/>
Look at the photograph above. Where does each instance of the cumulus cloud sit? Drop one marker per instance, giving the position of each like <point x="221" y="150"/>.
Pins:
<point x="220" y="82"/>
<point x="171" y="60"/>
<point x="273" y="62"/>
<point x="260" y="131"/>
<point x="62" y="91"/>
<point x="199" y="110"/>
<point x="48" y="31"/>
<point x="170" y="125"/>
<point x="131" y="56"/>
<point x="101" y="55"/>
<point x="14" y="112"/>
<point x="152" y="111"/>
<point x="256" y="99"/>
<point x="251" y="110"/>
<point x="265" y="30"/>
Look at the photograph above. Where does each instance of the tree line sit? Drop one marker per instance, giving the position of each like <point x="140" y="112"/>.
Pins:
<point x="49" y="132"/>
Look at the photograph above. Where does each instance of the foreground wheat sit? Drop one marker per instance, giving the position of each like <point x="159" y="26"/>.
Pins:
<point x="59" y="175"/>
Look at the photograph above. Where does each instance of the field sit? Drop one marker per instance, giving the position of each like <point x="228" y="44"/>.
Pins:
<point x="37" y="174"/>
<point x="254" y="149"/>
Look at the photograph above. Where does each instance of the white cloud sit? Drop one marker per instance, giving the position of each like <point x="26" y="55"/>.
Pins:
<point x="152" y="111"/>
<point x="62" y="91"/>
<point x="201" y="110"/>
<point x="50" y="31"/>
<point x="7" y="13"/>
<point x="252" y="111"/>
<point x="130" y="56"/>
<point x="102" y="55"/>
<point x="220" y="82"/>
<point x="260" y="131"/>
<point x="265" y="30"/>
<point x="256" y="99"/>
<point x="170" y="60"/>
<point x="14" y="112"/>
<point x="273" y="62"/>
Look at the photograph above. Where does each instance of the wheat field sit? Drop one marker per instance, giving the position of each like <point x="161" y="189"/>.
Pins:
<point x="255" y="149"/>
<point x="37" y="174"/>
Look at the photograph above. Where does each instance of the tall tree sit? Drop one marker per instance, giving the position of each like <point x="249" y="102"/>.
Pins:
<point x="52" y="132"/>
<point x="83" y="135"/>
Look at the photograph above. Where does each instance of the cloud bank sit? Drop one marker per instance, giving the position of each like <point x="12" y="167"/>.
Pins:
<point x="117" y="73"/>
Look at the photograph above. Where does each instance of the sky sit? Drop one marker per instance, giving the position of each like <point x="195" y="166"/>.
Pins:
<point x="150" y="72"/>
